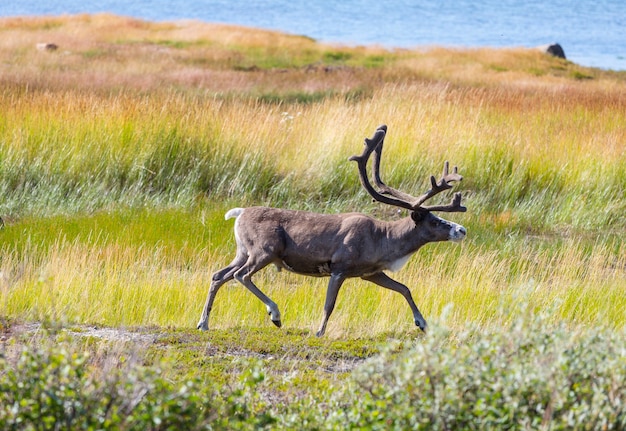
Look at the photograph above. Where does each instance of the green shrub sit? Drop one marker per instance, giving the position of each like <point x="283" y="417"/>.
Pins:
<point x="524" y="377"/>
<point x="53" y="387"/>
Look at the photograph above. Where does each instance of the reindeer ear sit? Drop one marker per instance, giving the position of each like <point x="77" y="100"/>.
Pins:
<point x="418" y="216"/>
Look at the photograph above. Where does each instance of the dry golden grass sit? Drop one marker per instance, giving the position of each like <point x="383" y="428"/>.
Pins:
<point x="109" y="52"/>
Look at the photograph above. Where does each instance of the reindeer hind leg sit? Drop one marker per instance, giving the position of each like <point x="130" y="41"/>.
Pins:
<point x="217" y="280"/>
<point x="244" y="276"/>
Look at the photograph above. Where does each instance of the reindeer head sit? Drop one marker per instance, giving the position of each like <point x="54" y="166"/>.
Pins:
<point x="433" y="228"/>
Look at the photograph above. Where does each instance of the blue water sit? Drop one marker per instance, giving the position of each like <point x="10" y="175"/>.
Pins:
<point x="592" y="32"/>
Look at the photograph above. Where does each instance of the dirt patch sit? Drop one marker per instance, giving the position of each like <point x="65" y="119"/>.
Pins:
<point x="25" y="330"/>
<point x="114" y="334"/>
<point x="285" y="350"/>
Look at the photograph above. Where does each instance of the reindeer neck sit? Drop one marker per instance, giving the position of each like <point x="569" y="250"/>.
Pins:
<point x="408" y="238"/>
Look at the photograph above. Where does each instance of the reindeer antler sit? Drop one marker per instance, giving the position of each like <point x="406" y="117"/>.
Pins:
<point x="370" y="146"/>
<point x="438" y="187"/>
<point x="384" y="188"/>
<point x="391" y="196"/>
<point x="454" y="206"/>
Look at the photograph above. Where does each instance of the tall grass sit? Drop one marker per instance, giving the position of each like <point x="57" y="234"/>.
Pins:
<point x="118" y="163"/>
<point x="154" y="269"/>
<point x="551" y="165"/>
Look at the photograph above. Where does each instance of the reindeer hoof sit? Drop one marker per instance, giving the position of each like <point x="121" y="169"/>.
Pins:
<point x="203" y="326"/>
<point x="422" y="325"/>
<point x="274" y="315"/>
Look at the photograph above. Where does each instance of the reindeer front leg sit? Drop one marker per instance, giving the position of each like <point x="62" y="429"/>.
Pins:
<point x="336" y="280"/>
<point x="387" y="282"/>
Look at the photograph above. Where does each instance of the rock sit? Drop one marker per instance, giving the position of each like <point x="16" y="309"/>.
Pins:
<point x="47" y="46"/>
<point x="553" y="49"/>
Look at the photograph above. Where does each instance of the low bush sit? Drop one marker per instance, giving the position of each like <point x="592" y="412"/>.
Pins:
<point x="55" y="387"/>
<point x="525" y="376"/>
<point x="528" y="376"/>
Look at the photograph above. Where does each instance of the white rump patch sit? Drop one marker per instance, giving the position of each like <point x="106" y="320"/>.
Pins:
<point x="233" y="213"/>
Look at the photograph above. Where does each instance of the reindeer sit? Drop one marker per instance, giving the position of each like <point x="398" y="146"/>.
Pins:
<point x="339" y="246"/>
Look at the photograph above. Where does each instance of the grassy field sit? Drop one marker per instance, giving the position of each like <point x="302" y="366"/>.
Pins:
<point x="122" y="149"/>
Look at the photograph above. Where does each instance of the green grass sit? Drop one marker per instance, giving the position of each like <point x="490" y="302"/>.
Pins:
<point x="139" y="188"/>
<point x="152" y="267"/>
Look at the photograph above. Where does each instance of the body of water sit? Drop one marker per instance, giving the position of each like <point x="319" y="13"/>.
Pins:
<point x="592" y="32"/>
